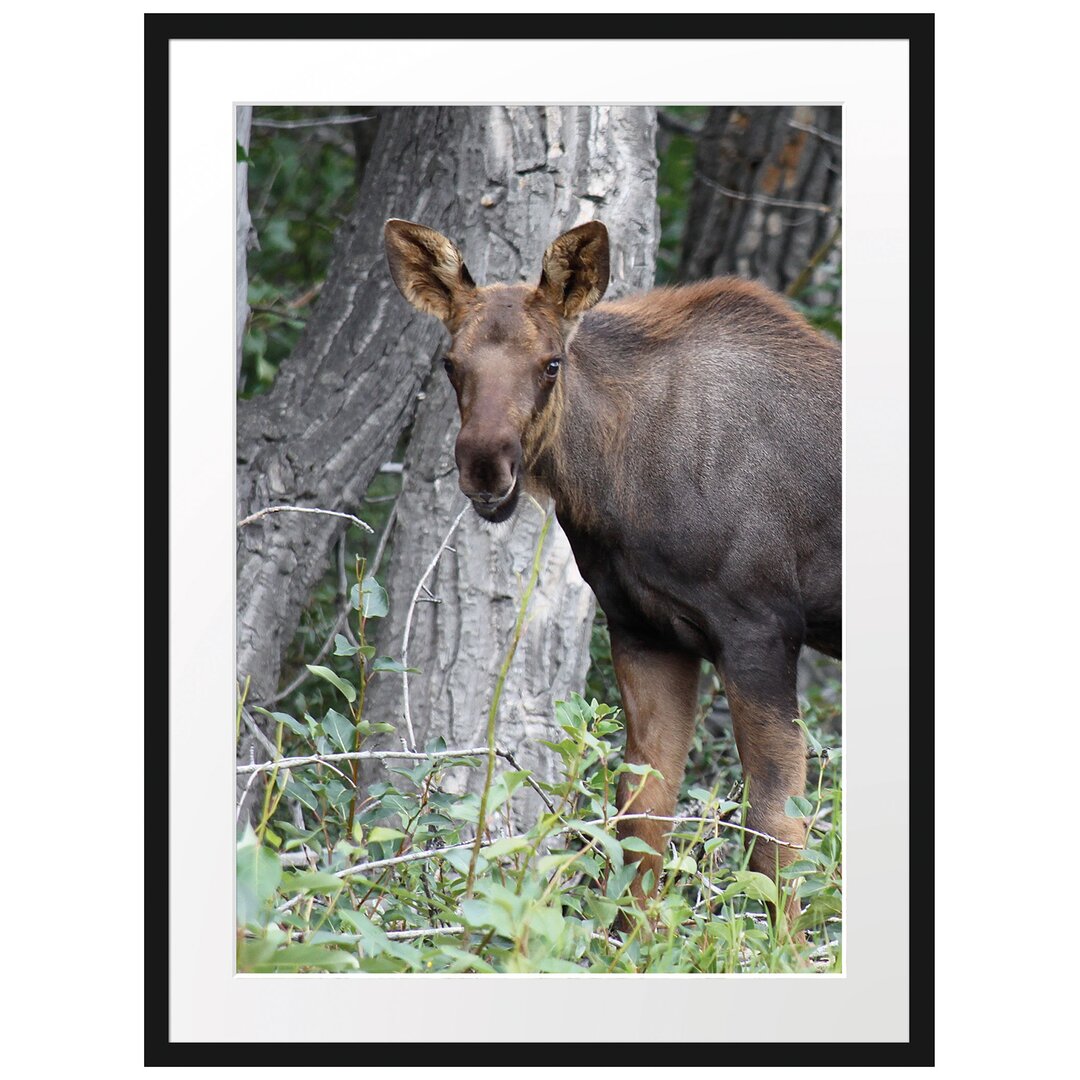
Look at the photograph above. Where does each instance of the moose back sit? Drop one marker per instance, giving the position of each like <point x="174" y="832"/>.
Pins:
<point x="690" y="439"/>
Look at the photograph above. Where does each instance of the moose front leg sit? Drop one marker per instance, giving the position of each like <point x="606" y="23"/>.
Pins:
<point x="759" y="680"/>
<point x="659" y="694"/>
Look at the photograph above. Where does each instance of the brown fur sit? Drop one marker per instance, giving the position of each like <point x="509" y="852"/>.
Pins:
<point x="690" y="440"/>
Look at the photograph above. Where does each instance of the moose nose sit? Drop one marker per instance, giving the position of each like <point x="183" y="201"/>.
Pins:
<point x="487" y="467"/>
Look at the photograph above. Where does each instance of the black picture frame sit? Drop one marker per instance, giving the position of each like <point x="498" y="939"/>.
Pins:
<point x="918" y="31"/>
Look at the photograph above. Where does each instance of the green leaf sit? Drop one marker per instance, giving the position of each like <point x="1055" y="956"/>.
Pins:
<point x="298" y="790"/>
<point x="799" y="868"/>
<point x="284" y="718"/>
<point x="312" y="881"/>
<point x="505" y="846"/>
<point x="481" y="914"/>
<point x="548" y="922"/>
<point x="294" y="957"/>
<point x="464" y="961"/>
<point x="459" y="859"/>
<point x="258" y="873"/>
<point x="815" y="745"/>
<point x="381" y="835"/>
<point x="635" y="843"/>
<point x="812" y="886"/>
<point x="325" y="673"/>
<point x="798" y="807"/>
<point x="344" y="647"/>
<point x="340" y="729"/>
<point x="612" y="847"/>
<point x="374" y="938"/>
<point x="753" y="885"/>
<point x="619" y="880"/>
<point x="600" y="909"/>
<point x="374" y="600"/>
<point x="384" y="663"/>
<point x="684" y="864"/>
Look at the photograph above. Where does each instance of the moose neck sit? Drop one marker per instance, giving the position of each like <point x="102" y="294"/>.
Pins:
<point x="575" y="449"/>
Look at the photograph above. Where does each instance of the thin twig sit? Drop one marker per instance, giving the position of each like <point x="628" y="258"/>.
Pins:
<point x="388" y="528"/>
<point x="767" y="200"/>
<point x="435" y="853"/>
<point x="815" y="261"/>
<point x="255" y="730"/>
<point x="302" y="510"/>
<point x="424" y="931"/>
<point x="341" y="623"/>
<point x="718" y="820"/>
<point x="823" y="135"/>
<point x="247" y="787"/>
<point x="304" y="675"/>
<point x="359" y="755"/>
<point x="286" y="125"/>
<point x="496" y="697"/>
<point x="509" y="759"/>
<point x="408" y="625"/>
<point x="262" y="309"/>
<point x="676" y="125"/>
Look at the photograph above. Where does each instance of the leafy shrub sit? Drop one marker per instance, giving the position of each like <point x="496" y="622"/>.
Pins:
<point x="403" y="876"/>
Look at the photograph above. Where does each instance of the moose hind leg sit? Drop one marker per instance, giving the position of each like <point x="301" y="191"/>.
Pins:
<point x="759" y="680"/>
<point x="659" y="693"/>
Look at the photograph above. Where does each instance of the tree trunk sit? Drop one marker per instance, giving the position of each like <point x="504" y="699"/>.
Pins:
<point x="349" y="389"/>
<point x="243" y="233"/>
<point x="532" y="173"/>
<point x="752" y="160"/>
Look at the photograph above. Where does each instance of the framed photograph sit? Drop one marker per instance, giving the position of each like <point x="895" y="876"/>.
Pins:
<point x="534" y="458"/>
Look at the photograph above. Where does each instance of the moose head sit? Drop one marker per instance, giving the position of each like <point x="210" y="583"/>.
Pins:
<point x="507" y="357"/>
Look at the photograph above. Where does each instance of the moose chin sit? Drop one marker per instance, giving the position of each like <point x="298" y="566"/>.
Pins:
<point x="690" y="439"/>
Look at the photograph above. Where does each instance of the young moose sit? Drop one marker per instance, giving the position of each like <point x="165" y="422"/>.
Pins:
<point x="690" y="440"/>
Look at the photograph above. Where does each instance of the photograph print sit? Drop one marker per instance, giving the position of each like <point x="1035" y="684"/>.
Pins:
<point x="539" y="542"/>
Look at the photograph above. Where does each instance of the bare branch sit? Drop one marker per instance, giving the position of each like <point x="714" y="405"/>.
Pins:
<point x="360" y="755"/>
<point x="816" y="260"/>
<point x="676" y="125"/>
<point x="262" y="309"/>
<point x="302" y="510"/>
<point x="247" y="787"/>
<point x="767" y="200"/>
<point x="510" y="760"/>
<point x="290" y="124"/>
<point x="255" y="730"/>
<point x="435" y="853"/>
<point x="408" y="624"/>
<point x="388" y="528"/>
<point x="823" y="135"/>
<point x="423" y="931"/>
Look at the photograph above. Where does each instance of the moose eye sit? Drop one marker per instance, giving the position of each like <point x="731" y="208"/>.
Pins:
<point x="448" y="364"/>
<point x="551" y="369"/>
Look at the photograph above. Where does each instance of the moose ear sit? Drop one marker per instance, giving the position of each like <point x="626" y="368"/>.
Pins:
<point x="576" y="270"/>
<point x="427" y="268"/>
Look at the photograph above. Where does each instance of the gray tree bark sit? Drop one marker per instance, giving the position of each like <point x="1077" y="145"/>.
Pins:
<point x="767" y="157"/>
<point x="531" y="174"/>
<point x="341" y="402"/>
<point x="243" y="233"/>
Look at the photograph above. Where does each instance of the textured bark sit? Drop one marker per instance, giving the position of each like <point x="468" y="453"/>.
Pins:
<point x="243" y="233"/>
<point x="339" y="405"/>
<point x="542" y="171"/>
<point x="755" y="151"/>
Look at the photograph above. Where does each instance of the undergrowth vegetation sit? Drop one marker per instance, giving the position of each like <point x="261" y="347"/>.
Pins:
<point x="405" y="875"/>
